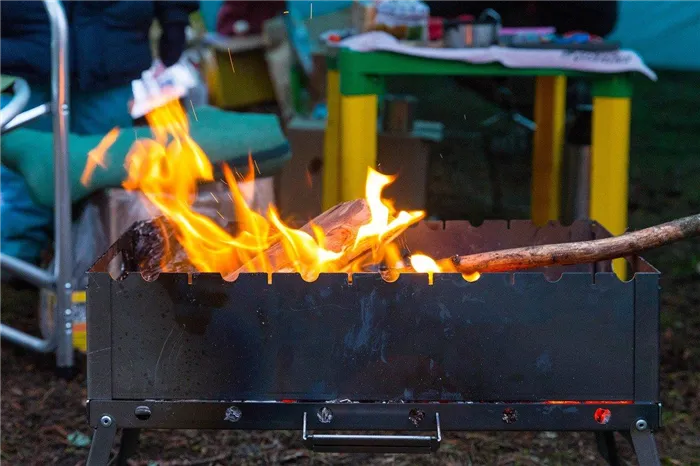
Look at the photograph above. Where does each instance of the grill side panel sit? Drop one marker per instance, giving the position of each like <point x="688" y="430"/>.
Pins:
<point x="502" y="338"/>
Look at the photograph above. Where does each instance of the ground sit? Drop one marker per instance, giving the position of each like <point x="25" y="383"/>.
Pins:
<point x="40" y="411"/>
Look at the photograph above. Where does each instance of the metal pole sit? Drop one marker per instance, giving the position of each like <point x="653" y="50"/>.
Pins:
<point x="30" y="272"/>
<point x="28" y="341"/>
<point x="62" y="209"/>
<point x="17" y="104"/>
<point x="25" y="117"/>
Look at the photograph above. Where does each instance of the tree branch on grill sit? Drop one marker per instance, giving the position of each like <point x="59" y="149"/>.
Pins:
<point x="582" y="252"/>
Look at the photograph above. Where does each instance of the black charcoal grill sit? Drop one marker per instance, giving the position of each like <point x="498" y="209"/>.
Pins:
<point x="558" y="349"/>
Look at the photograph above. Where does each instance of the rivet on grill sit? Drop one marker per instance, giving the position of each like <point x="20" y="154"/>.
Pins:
<point x="641" y="424"/>
<point x="416" y="416"/>
<point x="233" y="414"/>
<point x="325" y="415"/>
<point x="602" y="416"/>
<point x="510" y="415"/>
<point x="106" y="421"/>
<point x="142" y="413"/>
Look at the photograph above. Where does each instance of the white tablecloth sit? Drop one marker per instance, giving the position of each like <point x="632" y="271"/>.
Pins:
<point x="596" y="62"/>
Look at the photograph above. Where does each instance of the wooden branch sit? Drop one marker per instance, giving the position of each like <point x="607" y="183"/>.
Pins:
<point x="340" y="224"/>
<point x="582" y="252"/>
<point x="366" y="245"/>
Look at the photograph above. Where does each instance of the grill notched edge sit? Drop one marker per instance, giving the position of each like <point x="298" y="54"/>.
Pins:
<point x="140" y="249"/>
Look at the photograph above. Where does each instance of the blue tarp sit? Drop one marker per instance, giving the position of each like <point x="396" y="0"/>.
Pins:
<point x="665" y="33"/>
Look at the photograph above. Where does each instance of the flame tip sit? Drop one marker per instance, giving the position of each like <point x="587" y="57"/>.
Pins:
<point x="167" y="168"/>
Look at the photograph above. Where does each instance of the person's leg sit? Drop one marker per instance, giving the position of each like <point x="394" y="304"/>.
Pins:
<point x="26" y="226"/>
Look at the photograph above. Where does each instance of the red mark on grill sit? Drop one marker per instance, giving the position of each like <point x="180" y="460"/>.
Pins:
<point x="289" y="401"/>
<point x="602" y="415"/>
<point x="593" y="402"/>
<point x="510" y="415"/>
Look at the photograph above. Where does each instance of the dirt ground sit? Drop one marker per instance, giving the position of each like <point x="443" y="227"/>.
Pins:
<point x="40" y="411"/>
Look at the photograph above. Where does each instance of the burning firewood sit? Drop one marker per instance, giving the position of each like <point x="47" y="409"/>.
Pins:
<point x="340" y="225"/>
<point x="582" y="252"/>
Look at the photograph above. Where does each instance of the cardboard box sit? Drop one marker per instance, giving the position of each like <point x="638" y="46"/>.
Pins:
<point x="299" y="185"/>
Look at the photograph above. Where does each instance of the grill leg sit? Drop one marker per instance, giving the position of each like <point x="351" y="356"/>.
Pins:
<point x="645" y="447"/>
<point x="607" y="447"/>
<point x="129" y="445"/>
<point x="102" y="443"/>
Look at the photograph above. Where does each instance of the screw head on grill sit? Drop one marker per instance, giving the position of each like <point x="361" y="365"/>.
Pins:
<point x="325" y="415"/>
<point x="510" y="415"/>
<point x="602" y="416"/>
<point x="106" y="421"/>
<point x="233" y="414"/>
<point x="416" y="416"/>
<point x="142" y="413"/>
<point x="641" y="424"/>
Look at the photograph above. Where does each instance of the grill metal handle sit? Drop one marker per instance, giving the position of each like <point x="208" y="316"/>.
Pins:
<point x="358" y="443"/>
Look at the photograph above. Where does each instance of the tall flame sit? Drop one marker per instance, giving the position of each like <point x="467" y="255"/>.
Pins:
<point x="167" y="168"/>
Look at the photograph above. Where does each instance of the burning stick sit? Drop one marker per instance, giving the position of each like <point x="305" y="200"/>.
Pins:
<point x="340" y="225"/>
<point x="582" y="252"/>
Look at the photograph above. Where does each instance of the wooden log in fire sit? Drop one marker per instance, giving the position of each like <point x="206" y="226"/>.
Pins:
<point x="340" y="225"/>
<point x="582" y="252"/>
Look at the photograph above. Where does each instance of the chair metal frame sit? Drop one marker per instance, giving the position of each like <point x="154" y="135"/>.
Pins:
<point x="60" y="279"/>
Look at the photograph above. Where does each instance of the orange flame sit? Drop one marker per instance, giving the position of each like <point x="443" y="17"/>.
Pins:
<point x="97" y="156"/>
<point x="166" y="170"/>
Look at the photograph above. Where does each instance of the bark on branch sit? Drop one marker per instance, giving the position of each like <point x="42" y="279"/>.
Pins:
<point x="582" y="252"/>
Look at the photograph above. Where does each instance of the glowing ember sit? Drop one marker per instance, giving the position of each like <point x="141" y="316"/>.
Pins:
<point x="166" y="170"/>
<point x="424" y="264"/>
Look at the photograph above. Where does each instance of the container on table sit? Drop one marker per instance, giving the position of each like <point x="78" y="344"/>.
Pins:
<point x="466" y="33"/>
<point x="404" y="19"/>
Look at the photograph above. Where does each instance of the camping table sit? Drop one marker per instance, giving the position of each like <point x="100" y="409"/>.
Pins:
<point x="355" y="79"/>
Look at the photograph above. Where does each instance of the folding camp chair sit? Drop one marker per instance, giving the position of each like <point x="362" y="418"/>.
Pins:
<point x="60" y="279"/>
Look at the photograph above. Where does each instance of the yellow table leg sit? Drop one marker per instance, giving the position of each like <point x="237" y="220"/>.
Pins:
<point x="358" y="142"/>
<point x="548" y="144"/>
<point x="331" y="143"/>
<point x="610" y="167"/>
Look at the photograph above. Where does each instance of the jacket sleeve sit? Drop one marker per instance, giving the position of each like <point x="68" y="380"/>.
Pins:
<point x="173" y="18"/>
<point x="25" y="59"/>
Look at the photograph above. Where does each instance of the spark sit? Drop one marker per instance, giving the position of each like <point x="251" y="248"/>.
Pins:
<point x="256" y="166"/>
<point x="286" y="12"/>
<point x="229" y="196"/>
<point x="224" y="181"/>
<point x="193" y="111"/>
<point x="224" y="218"/>
<point x="440" y="155"/>
<point x="230" y="58"/>
<point x="212" y="195"/>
